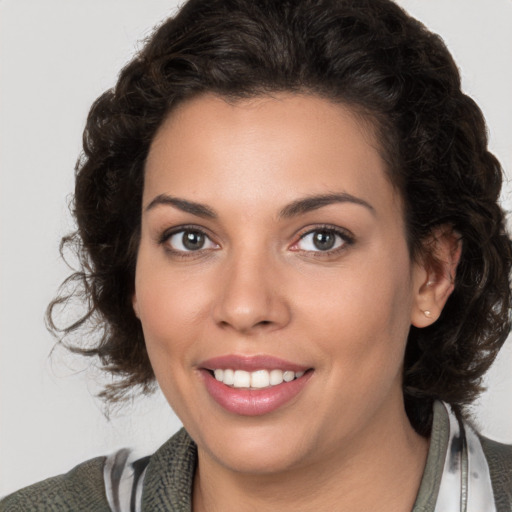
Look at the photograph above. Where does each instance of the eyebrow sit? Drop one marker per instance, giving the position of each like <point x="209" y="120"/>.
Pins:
<point x="198" y="209"/>
<point x="293" y="209"/>
<point x="311" y="203"/>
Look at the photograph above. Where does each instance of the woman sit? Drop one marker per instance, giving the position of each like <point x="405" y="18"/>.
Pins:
<point x="287" y="215"/>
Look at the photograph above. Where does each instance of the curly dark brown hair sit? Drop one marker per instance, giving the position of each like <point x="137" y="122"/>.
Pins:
<point x="368" y="54"/>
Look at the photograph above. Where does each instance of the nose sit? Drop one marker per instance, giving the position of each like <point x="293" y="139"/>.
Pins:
<point x="251" y="296"/>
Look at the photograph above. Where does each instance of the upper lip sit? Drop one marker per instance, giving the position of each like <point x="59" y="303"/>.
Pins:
<point x="251" y="363"/>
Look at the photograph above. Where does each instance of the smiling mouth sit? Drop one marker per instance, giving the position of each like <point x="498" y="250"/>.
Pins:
<point x="253" y="386"/>
<point x="259" y="379"/>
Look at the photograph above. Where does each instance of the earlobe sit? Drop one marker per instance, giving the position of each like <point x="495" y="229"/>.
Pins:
<point x="436" y="280"/>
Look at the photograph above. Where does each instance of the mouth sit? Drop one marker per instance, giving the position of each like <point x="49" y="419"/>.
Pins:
<point x="259" y="379"/>
<point x="253" y="385"/>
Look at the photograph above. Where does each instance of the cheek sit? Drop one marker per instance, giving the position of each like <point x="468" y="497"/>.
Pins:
<point x="362" y="316"/>
<point x="168" y="306"/>
<point x="169" y="309"/>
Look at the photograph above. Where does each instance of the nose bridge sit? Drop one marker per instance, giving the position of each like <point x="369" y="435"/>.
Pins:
<point x="249" y="294"/>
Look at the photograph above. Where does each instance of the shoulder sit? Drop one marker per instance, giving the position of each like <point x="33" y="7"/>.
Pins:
<point x="162" y="481"/>
<point x="499" y="459"/>
<point x="81" y="489"/>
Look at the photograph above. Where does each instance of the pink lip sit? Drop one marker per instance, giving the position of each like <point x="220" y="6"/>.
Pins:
<point x="252" y="402"/>
<point x="250" y="363"/>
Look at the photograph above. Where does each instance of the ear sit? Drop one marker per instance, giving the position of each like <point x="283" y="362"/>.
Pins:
<point x="434" y="276"/>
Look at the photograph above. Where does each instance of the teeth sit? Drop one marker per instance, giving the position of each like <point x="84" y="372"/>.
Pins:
<point x="276" y="377"/>
<point x="288" y="376"/>
<point x="228" y="377"/>
<point x="260" y="379"/>
<point x="257" y="380"/>
<point x="242" y="379"/>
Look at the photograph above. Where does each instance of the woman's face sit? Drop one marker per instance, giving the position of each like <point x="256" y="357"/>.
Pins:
<point x="273" y="244"/>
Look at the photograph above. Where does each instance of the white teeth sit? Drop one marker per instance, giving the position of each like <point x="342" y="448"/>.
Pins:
<point x="288" y="376"/>
<point x="242" y="379"/>
<point x="260" y="379"/>
<point x="257" y="380"/>
<point x="229" y="377"/>
<point x="276" y="377"/>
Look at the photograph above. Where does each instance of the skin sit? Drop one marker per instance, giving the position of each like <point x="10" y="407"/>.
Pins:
<point x="260" y="287"/>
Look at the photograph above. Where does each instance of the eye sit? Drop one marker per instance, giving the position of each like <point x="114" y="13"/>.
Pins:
<point x="322" y="240"/>
<point x="189" y="240"/>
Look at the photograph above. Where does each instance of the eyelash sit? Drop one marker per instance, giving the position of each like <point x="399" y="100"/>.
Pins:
<point x="168" y="234"/>
<point x="346" y="237"/>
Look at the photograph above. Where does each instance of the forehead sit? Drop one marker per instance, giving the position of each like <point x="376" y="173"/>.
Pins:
<point x="283" y="146"/>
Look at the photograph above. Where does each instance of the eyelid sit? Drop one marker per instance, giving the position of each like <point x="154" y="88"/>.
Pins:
<point x="170" y="232"/>
<point x="346" y="236"/>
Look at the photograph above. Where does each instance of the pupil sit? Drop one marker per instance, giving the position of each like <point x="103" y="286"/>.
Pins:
<point x="193" y="240"/>
<point x="324" y="240"/>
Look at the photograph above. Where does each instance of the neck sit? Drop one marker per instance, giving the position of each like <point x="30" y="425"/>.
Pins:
<point x="380" y="470"/>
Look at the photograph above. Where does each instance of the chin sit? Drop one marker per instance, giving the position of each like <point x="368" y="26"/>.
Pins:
<point x="259" y="450"/>
<point x="258" y="462"/>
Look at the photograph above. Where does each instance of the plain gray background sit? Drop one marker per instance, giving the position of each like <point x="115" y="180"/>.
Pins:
<point x="56" y="57"/>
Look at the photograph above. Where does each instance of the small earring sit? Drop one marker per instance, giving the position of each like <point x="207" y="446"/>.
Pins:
<point x="427" y="313"/>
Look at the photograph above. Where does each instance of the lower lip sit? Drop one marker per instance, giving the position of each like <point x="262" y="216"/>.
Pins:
<point x="253" y="402"/>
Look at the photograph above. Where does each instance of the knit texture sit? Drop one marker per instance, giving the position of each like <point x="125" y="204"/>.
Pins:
<point x="81" y="490"/>
<point x="170" y="475"/>
<point x="499" y="458"/>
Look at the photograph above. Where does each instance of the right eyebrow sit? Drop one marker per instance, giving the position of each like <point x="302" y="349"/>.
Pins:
<point x="198" y="209"/>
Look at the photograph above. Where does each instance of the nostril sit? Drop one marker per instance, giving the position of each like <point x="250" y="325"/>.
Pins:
<point x="261" y="323"/>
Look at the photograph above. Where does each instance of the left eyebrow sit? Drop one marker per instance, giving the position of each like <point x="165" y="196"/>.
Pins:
<point x="310" y="203"/>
